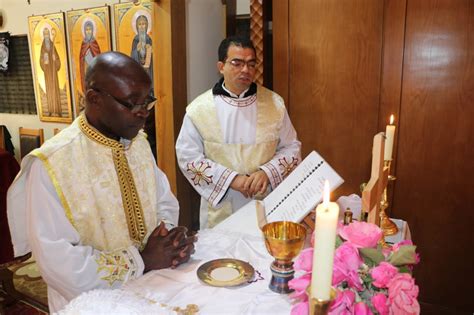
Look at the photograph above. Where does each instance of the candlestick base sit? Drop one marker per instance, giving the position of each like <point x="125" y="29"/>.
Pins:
<point x="383" y="243"/>
<point x="388" y="226"/>
<point x="321" y="307"/>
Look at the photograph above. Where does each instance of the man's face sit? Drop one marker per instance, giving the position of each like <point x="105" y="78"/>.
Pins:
<point x="142" y="25"/>
<point x="115" y="119"/>
<point x="46" y="34"/>
<point x="238" y="78"/>
<point x="88" y="32"/>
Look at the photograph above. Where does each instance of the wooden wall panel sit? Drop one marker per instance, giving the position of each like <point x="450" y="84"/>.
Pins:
<point x="334" y="81"/>
<point x="171" y="92"/>
<point x="281" y="56"/>
<point x="164" y="120"/>
<point x="392" y="74"/>
<point x="436" y="146"/>
<point x="327" y="65"/>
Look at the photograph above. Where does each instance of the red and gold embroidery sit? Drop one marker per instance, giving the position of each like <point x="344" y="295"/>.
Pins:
<point x="199" y="173"/>
<point x="115" y="265"/>
<point x="287" y="166"/>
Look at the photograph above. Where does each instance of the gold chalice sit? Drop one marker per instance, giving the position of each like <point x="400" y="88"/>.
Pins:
<point x="284" y="241"/>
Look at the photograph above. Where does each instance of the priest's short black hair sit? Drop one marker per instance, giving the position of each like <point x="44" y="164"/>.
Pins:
<point x="236" y="40"/>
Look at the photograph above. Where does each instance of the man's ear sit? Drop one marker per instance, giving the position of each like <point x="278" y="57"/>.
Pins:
<point x="92" y="97"/>
<point x="220" y="67"/>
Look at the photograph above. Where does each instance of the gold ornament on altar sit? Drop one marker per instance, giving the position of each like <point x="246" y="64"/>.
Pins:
<point x="388" y="226"/>
<point x="284" y="241"/>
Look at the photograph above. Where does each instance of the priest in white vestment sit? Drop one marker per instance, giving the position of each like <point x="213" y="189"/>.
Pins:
<point x="91" y="204"/>
<point x="237" y="141"/>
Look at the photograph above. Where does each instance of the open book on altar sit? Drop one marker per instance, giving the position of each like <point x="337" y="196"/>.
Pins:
<point x="292" y="200"/>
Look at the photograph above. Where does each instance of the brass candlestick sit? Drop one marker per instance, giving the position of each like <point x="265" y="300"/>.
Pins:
<point x="320" y="307"/>
<point x="388" y="226"/>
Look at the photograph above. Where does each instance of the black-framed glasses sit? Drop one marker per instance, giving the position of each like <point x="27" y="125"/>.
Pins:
<point x="150" y="101"/>
<point x="239" y="63"/>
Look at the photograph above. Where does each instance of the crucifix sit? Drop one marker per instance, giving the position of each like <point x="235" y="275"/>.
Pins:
<point x="373" y="191"/>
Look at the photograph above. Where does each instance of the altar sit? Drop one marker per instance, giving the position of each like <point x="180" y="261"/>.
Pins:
<point x="179" y="291"/>
<point x="172" y="291"/>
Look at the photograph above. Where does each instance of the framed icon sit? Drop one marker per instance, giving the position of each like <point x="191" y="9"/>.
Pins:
<point x="48" y="50"/>
<point x="88" y="36"/>
<point x="133" y="32"/>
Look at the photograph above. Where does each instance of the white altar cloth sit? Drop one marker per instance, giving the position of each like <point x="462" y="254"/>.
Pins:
<point x="169" y="289"/>
<point x="181" y="287"/>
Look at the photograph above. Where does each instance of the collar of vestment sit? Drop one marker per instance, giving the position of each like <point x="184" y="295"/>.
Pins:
<point x="95" y="135"/>
<point x="218" y="89"/>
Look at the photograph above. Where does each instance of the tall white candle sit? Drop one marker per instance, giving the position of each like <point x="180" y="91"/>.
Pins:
<point x="327" y="214"/>
<point x="389" y="136"/>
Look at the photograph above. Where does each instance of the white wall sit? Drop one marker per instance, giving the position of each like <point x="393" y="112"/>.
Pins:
<point x="204" y="29"/>
<point x="204" y="32"/>
<point x="243" y="7"/>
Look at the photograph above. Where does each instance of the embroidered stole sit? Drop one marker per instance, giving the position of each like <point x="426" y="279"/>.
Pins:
<point x="242" y="158"/>
<point x="103" y="198"/>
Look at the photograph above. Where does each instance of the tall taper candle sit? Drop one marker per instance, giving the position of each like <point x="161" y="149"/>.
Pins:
<point x="327" y="214"/>
<point x="389" y="136"/>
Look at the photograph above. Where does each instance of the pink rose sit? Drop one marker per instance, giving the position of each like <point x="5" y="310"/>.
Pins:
<point x="361" y="234"/>
<point x="382" y="274"/>
<point x="339" y="272"/>
<point x="349" y="255"/>
<point x="305" y="260"/>
<point x="343" y="304"/>
<point x="402" y="295"/>
<point x="346" y="265"/>
<point x="362" y="309"/>
<point x="299" y="285"/>
<point x="354" y="281"/>
<point x="379" y="301"/>
<point x="300" y="309"/>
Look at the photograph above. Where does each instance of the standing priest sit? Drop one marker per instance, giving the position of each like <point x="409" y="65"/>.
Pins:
<point x="237" y="141"/>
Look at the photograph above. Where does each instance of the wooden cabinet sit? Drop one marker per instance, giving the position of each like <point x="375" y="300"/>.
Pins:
<point x="344" y="66"/>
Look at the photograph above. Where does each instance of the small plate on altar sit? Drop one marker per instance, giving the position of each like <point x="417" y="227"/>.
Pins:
<point x="225" y="272"/>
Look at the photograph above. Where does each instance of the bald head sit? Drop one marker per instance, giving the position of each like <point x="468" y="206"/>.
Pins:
<point x="114" y="83"/>
<point x="116" y="67"/>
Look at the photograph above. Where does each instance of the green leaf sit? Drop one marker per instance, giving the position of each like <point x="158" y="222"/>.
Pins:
<point x="371" y="256"/>
<point x="404" y="269"/>
<point x="339" y="241"/>
<point x="405" y="255"/>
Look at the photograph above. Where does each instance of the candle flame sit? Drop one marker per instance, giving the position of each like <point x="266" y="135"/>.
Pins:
<point x="392" y="118"/>
<point x="326" y="193"/>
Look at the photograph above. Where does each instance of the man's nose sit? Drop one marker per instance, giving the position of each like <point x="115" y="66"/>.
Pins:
<point x="142" y="111"/>
<point x="245" y="68"/>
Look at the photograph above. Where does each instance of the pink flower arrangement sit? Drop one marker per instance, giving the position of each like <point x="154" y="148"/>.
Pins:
<point x="368" y="279"/>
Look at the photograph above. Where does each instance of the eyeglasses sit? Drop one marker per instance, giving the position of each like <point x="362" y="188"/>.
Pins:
<point x="150" y="102"/>
<point x="239" y="63"/>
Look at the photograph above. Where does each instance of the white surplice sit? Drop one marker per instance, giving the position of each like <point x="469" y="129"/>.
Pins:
<point x="68" y="267"/>
<point x="49" y="223"/>
<point x="237" y="118"/>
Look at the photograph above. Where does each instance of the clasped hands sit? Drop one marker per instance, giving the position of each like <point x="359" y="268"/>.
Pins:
<point x="250" y="185"/>
<point x="166" y="249"/>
